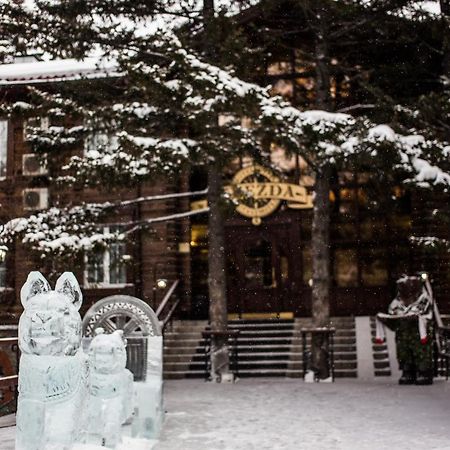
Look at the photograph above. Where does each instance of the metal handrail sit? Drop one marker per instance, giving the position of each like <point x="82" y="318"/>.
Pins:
<point x="168" y="319"/>
<point x="166" y="298"/>
<point x="169" y="315"/>
<point x="13" y="343"/>
<point x="9" y="381"/>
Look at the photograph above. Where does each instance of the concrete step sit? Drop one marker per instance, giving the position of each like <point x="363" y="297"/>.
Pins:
<point x="256" y="340"/>
<point x="265" y="348"/>
<point x="344" y="373"/>
<point x="383" y="373"/>
<point x="261" y="326"/>
<point x="255" y="364"/>
<point x="256" y="355"/>
<point x="199" y="349"/>
<point x="260" y="321"/>
<point x="382" y="365"/>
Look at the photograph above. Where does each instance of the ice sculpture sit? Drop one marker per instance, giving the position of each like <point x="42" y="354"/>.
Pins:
<point x="53" y="375"/>
<point x="111" y="389"/>
<point x="142" y="331"/>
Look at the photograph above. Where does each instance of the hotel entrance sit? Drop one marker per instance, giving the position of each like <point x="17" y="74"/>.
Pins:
<point x="263" y="274"/>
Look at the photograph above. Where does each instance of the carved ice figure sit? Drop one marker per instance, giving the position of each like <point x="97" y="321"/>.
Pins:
<point x="142" y="331"/>
<point x="53" y="369"/>
<point x="111" y="389"/>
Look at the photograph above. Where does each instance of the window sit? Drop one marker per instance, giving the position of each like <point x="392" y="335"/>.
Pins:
<point x="307" y="265"/>
<point x="258" y="265"/>
<point x="346" y="268"/>
<point x="106" y="266"/>
<point x="3" y="147"/>
<point x="101" y="139"/>
<point x="374" y="267"/>
<point x="33" y="125"/>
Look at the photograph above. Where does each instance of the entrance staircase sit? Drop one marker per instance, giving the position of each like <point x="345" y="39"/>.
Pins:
<point x="266" y="348"/>
<point x="382" y="367"/>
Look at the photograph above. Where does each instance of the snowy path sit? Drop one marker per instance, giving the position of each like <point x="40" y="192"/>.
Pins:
<point x="272" y="414"/>
<point x="288" y="414"/>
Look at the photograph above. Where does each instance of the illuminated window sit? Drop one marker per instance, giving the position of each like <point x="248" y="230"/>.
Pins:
<point x="347" y="201"/>
<point x="279" y="68"/>
<point x="346" y="268"/>
<point x="374" y="268"/>
<point x="199" y="234"/>
<point x="372" y="229"/>
<point x="346" y="231"/>
<point x="307" y="265"/>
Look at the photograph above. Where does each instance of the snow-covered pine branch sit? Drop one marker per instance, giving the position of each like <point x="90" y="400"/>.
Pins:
<point x="70" y="232"/>
<point x="162" y="114"/>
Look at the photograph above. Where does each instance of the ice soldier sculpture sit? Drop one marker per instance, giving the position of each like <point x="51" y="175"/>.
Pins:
<point x="410" y="316"/>
<point x="53" y="375"/>
<point x="111" y="389"/>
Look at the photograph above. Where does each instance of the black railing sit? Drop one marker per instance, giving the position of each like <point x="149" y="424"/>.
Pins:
<point x="442" y="351"/>
<point x="328" y="335"/>
<point x="165" y="302"/>
<point x="232" y="338"/>
<point x="9" y="369"/>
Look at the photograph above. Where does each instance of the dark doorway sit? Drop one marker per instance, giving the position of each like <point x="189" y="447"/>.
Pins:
<point x="262" y="271"/>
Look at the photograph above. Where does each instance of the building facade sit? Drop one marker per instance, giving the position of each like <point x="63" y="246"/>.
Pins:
<point x="268" y="238"/>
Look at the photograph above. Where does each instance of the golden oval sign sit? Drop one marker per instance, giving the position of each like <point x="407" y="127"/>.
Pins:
<point x="259" y="193"/>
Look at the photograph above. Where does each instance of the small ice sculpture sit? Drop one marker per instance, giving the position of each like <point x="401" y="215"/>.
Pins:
<point x="111" y="389"/>
<point x="53" y="375"/>
<point x="145" y="344"/>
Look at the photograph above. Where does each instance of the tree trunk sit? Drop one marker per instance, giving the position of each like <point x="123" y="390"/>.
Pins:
<point x="217" y="276"/>
<point x="218" y="312"/>
<point x="320" y="237"/>
<point x="321" y="216"/>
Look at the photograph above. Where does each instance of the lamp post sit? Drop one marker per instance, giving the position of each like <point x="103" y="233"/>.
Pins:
<point x="158" y="283"/>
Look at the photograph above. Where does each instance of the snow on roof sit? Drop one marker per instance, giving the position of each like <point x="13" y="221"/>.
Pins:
<point x="56" y="70"/>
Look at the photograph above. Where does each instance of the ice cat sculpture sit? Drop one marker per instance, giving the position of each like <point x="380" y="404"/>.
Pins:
<point x="53" y="375"/>
<point x="111" y="389"/>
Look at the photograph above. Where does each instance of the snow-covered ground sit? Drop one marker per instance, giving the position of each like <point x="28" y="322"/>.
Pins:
<point x="272" y="414"/>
